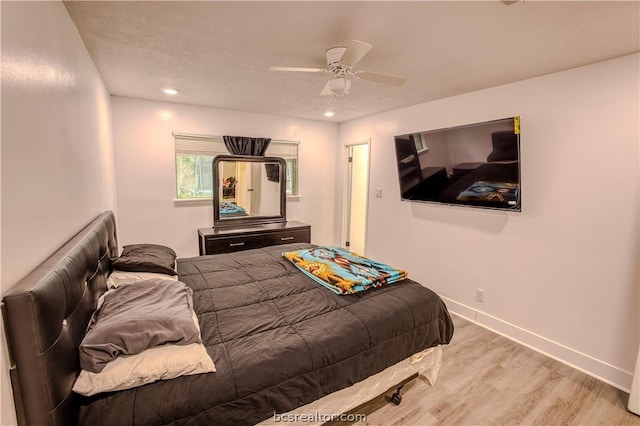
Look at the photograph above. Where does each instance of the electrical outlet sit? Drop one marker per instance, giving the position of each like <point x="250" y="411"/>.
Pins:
<point x="378" y="192"/>
<point x="480" y="295"/>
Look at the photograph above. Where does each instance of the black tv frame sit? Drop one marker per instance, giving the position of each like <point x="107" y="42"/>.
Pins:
<point x="471" y="165"/>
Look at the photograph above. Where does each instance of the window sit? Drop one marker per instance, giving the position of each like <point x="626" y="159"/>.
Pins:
<point x="288" y="151"/>
<point x="292" y="181"/>
<point x="419" y="142"/>
<point x="194" y="155"/>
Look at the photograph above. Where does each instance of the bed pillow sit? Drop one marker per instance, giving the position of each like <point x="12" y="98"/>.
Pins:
<point x="118" y="278"/>
<point x="136" y="317"/>
<point x="146" y="258"/>
<point x="160" y="363"/>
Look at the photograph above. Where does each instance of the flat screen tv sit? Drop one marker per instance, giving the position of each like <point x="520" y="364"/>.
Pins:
<point x="475" y="165"/>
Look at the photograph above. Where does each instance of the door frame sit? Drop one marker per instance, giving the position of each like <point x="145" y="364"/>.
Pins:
<point x="347" y="191"/>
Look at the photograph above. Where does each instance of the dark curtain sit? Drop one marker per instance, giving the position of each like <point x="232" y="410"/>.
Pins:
<point x="260" y="145"/>
<point x="242" y="145"/>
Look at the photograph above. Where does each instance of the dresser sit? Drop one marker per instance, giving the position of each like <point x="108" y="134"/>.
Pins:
<point x="227" y="240"/>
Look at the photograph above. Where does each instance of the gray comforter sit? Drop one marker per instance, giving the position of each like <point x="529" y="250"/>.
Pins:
<point x="279" y="340"/>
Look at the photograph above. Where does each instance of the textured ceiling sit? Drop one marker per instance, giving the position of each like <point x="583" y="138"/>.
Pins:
<point x="218" y="53"/>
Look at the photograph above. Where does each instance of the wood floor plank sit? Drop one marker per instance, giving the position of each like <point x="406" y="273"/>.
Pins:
<point x="487" y="379"/>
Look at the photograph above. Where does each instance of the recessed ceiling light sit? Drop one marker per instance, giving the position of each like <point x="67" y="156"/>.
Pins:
<point x="329" y="114"/>
<point x="170" y="91"/>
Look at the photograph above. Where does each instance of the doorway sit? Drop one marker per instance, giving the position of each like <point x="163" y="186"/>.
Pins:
<point x="357" y="197"/>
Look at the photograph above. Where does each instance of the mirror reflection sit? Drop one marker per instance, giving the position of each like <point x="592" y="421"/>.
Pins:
<point x="249" y="190"/>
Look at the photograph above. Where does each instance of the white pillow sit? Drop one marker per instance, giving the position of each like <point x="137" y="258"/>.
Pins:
<point x="159" y="363"/>
<point x="118" y="278"/>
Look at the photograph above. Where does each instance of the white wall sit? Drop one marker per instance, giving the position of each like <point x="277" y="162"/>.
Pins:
<point x="145" y="169"/>
<point x="57" y="158"/>
<point x="268" y="194"/>
<point x="473" y="144"/>
<point x="562" y="275"/>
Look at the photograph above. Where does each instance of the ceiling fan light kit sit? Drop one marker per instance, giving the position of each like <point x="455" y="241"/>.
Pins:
<point x="340" y="61"/>
<point x="336" y="86"/>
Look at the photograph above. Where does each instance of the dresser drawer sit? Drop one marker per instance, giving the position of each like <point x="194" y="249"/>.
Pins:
<point x="292" y="236"/>
<point x="231" y="244"/>
<point x="246" y="241"/>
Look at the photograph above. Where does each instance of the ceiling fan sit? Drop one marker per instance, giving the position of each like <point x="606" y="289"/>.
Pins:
<point x="340" y="61"/>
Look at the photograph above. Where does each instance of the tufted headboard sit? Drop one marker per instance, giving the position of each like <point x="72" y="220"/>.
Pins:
<point x="45" y="318"/>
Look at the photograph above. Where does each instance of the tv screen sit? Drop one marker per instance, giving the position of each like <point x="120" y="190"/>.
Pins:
<point x="476" y="165"/>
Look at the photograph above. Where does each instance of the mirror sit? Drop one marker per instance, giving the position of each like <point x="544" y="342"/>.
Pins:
<point x="248" y="190"/>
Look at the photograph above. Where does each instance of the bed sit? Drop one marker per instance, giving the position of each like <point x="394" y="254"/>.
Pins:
<point x="490" y="184"/>
<point x="494" y="183"/>
<point x="231" y="209"/>
<point x="278" y="340"/>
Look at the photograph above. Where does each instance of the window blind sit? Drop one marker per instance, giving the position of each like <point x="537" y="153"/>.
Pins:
<point x="199" y="145"/>
<point x="191" y="144"/>
<point x="283" y="149"/>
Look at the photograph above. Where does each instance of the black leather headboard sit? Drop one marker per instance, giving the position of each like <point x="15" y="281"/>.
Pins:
<point x="45" y="317"/>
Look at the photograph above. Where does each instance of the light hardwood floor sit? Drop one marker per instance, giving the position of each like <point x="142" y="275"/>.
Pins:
<point x="487" y="379"/>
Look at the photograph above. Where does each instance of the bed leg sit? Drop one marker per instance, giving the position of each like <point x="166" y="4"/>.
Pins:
<point x="396" y="398"/>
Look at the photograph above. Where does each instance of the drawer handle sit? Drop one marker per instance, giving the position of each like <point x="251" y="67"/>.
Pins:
<point x="286" y="238"/>
<point x="236" y="244"/>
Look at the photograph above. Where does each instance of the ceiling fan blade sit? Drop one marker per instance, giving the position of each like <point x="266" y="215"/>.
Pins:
<point x="298" y="69"/>
<point x="381" y="78"/>
<point x="355" y="52"/>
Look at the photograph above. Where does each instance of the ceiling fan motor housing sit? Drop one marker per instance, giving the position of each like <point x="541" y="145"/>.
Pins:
<point x="340" y="61"/>
<point x="333" y="56"/>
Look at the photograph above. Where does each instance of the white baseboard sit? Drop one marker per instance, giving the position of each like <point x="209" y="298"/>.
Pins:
<point x="601" y="370"/>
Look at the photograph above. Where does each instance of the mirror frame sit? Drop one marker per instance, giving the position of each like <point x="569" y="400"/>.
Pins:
<point x="247" y="220"/>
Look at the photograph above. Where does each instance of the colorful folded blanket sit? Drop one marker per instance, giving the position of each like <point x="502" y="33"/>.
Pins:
<point x="342" y="271"/>
<point x="497" y="192"/>
<point x="228" y="207"/>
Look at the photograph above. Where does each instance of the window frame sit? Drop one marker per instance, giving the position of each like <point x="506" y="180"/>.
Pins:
<point x="419" y="143"/>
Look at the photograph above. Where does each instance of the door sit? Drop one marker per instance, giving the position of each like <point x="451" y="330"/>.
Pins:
<point x="357" y="191"/>
<point x="245" y="187"/>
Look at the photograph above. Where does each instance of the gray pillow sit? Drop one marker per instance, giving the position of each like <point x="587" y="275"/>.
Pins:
<point x="146" y="258"/>
<point x="136" y="317"/>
